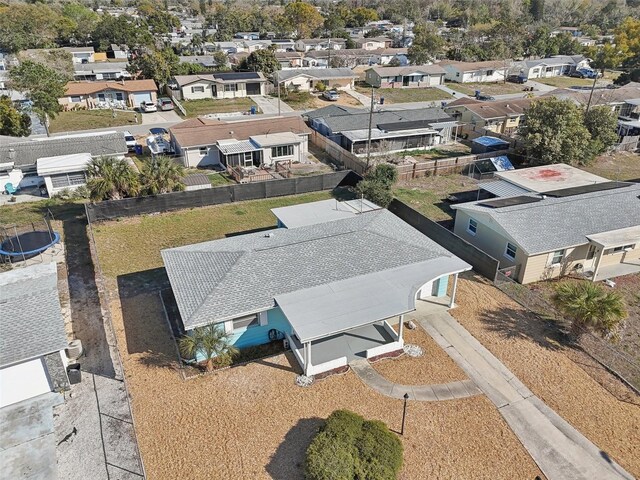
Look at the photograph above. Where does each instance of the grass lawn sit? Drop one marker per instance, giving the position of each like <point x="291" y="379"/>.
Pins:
<point x="405" y="95"/>
<point x="617" y="166"/>
<point x="196" y="108"/>
<point x="217" y="178"/>
<point x="88" y="119"/>
<point x="497" y="88"/>
<point x="428" y="194"/>
<point x="566" y="82"/>
<point x="27" y="212"/>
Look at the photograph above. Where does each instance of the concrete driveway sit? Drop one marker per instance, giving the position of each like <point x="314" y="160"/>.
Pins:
<point x="270" y="105"/>
<point x="160" y="117"/>
<point x="559" y="450"/>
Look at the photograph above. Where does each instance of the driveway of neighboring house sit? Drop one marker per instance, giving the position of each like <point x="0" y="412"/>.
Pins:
<point x="560" y="450"/>
<point x="270" y="105"/>
<point x="153" y="118"/>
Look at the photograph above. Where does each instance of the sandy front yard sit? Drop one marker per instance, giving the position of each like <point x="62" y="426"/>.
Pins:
<point x="556" y="375"/>
<point x="253" y="422"/>
<point x="435" y="366"/>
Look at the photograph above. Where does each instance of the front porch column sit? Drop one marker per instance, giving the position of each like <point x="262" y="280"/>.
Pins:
<point x="401" y="328"/>
<point x="595" y="270"/>
<point x="453" y="291"/>
<point x="307" y="357"/>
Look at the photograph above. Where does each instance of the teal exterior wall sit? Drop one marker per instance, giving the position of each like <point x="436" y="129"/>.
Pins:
<point x="249" y="337"/>
<point x="440" y="286"/>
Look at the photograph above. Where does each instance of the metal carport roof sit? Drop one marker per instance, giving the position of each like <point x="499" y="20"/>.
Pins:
<point x="336" y="307"/>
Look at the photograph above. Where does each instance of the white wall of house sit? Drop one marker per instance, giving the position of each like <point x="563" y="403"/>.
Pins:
<point x="484" y="75"/>
<point x="543" y="71"/>
<point x="198" y="90"/>
<point x="23" y="381"/>
<point x="200" y="156"/>
<point x="269" y="159"/>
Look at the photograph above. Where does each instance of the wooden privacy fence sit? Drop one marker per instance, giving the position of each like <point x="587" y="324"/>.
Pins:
<point x="405" y="172"/>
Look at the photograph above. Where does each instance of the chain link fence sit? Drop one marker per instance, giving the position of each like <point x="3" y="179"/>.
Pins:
<point x="624" y="367"/>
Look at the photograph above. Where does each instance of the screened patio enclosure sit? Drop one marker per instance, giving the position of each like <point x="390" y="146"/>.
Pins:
<point x="243" y="154"/>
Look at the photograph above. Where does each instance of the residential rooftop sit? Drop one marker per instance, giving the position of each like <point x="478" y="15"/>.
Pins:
<point x="319" y="73"/>
<point x="550" y="177"/>
<point x="224" y="279"/>
<point x="31" y="322"/>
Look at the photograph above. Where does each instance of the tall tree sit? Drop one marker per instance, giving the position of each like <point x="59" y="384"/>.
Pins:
<point x="427" y="44"/>
<point x="303" y="17"/>
<point x="30" y="26"/>
<point x="555" y="133"/>
<point x="13" y="122"/>
<point x="590" y="307"/>
<point x="161" y="175"/>
<point x="152" y="65"/>
<point x="42" y="85"/>
<point x="536" y="8"/>
<point x="111" y="179"/>
<point x="602" y="124"/>
<point x="264" y="61"/>
<point x="84" y="21"/>
<point x="122" y="30"/>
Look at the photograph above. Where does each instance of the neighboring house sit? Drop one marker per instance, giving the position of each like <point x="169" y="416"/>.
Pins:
<point x="574" y="31"/>
<point x="468" y="72"/>
<point x="592" y="229"/>
<point x="414" y="76"/>
<point x="283" y="44"/>
<point x="586" y="41"/>
<point x="118" y="52"/>
<point x="373" y="43"/>
<point x="101" y="71"/>
<point x="247" y="35"/>
<point x="551" y="67"/>
<point x="32" y="334"/>
<point x="206" y="61"/>
<point x="502" y="116"/>
<point x="63" y="172"/>
<point x="218" y="85"/>
<point x="81" y="54"/>
<point x="621" y="99"/>
<point x="19" y="160"/>
<point x="391" y="131"/>
<point x="226" y="47"/>
<point x="307" y="79"/>
<point x="348" y="58"/>
<point x="252" y="143"/>
<point x="125" y="94"/>
<point x="366" y="272"/>
<point x="308" y="44"/>
<point x="251" y="46"/>
<point x="289" y="59"/>
<point x="388" y="54"/>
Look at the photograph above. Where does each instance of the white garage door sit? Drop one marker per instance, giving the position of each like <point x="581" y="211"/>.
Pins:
<point x="140" y="97"/>
<point x="22" y="381"/>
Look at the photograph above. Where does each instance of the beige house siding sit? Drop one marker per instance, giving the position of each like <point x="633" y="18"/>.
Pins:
<point x="538" y="267"/>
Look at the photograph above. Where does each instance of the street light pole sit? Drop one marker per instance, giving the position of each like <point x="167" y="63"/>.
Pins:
<point x="404" y="412"/>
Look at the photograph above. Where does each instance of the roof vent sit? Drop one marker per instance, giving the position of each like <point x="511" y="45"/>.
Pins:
<point x="12" y="153"/>
<point x="268" y="235"/>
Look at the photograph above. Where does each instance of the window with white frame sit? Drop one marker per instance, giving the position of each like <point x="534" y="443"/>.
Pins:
<point x="510" y="251"/>
<point x="230" y="87"/>
<point x="556" y="257"/>
<point x="75" y="98"/>
<point x="620" y="249"/>
<point x="282" y="151"/>
<point x="472" y="228"/>
<point x="246" y="322"/>
<point x="197" y="89"/>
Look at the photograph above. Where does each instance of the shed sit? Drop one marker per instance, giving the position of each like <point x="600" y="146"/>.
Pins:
<point x="196" y="181"/>
<point x="488" y="144"/>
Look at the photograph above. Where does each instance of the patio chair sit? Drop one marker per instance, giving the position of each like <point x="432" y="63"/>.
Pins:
<point x="10" y="189"/>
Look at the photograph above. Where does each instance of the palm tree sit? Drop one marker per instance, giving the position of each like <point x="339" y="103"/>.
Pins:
<point x="161" y="175"/>
<point x="111" y="179"/>
<point x="589" y="306"/>
<point x="212" y="341"/>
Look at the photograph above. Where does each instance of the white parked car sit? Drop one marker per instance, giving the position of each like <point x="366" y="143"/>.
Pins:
<point x="147" y="107"/>
<point x="130" y="141"/>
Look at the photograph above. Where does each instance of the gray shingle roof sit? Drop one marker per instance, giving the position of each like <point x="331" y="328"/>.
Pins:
<point x="26" y="153"/>
<point x="556" y="223"/>
<point x="31" y="322"/>
<point x="344" y="122"/>
<point x="223" y="279"/>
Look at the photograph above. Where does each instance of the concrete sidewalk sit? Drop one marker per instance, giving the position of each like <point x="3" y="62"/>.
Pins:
<point x="560" y="451"/>
<point x="269" y="105"/>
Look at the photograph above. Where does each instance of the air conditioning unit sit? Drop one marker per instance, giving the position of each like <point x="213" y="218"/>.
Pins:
<point x="285" y="344"/>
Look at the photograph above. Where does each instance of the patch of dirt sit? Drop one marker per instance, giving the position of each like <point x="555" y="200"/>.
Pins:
<point x="254" y="422"/>
<point x="435" y="366"/>
<point x="556" y="374"/>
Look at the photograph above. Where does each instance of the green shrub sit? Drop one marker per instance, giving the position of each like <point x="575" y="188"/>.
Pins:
<point x="351" y="448"/>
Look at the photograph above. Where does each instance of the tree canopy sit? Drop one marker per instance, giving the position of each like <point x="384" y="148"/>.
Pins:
<point x="427" y="44"/>
<point x="263" y="60"/>
<point x="42" y="85"/>
<point x="13" y="122"/>
<point x="303" y="17"/>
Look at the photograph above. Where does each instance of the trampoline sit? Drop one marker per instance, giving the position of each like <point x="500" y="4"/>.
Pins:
<point x="27" y="245"/>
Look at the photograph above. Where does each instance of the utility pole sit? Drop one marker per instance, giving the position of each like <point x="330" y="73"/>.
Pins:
<point x="278" y="87"/>
<point x="369" y="134"/>
<point x="329" y="59"/>
<point x="593" y="87"/>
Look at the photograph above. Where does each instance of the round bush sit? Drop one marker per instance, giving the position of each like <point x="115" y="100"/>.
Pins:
<point x="348" y="447"/>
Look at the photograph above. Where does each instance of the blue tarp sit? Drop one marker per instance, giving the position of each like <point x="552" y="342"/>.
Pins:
<point x="489" y="141"/>
<point x="501" y="163"/>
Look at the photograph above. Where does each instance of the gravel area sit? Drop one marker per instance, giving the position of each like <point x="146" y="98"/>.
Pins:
<point x="435" y="366"/>
<point x="554" y="373"/>
<point x="253" y="422"/>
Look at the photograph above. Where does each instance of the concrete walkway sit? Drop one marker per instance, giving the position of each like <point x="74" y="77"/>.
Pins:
<point x="270" y="104"/>
<point x="365" y="100"/>
<point x="424" y="393"/>
<point x="561" y="452"/>
<point x="452" y="92"/>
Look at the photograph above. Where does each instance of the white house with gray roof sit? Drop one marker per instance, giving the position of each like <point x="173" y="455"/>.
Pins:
<point x="32" y="334"/>
<point x="306" y="79"/>
<point x="333" y="282"/>
<point x="593" y="229"/>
